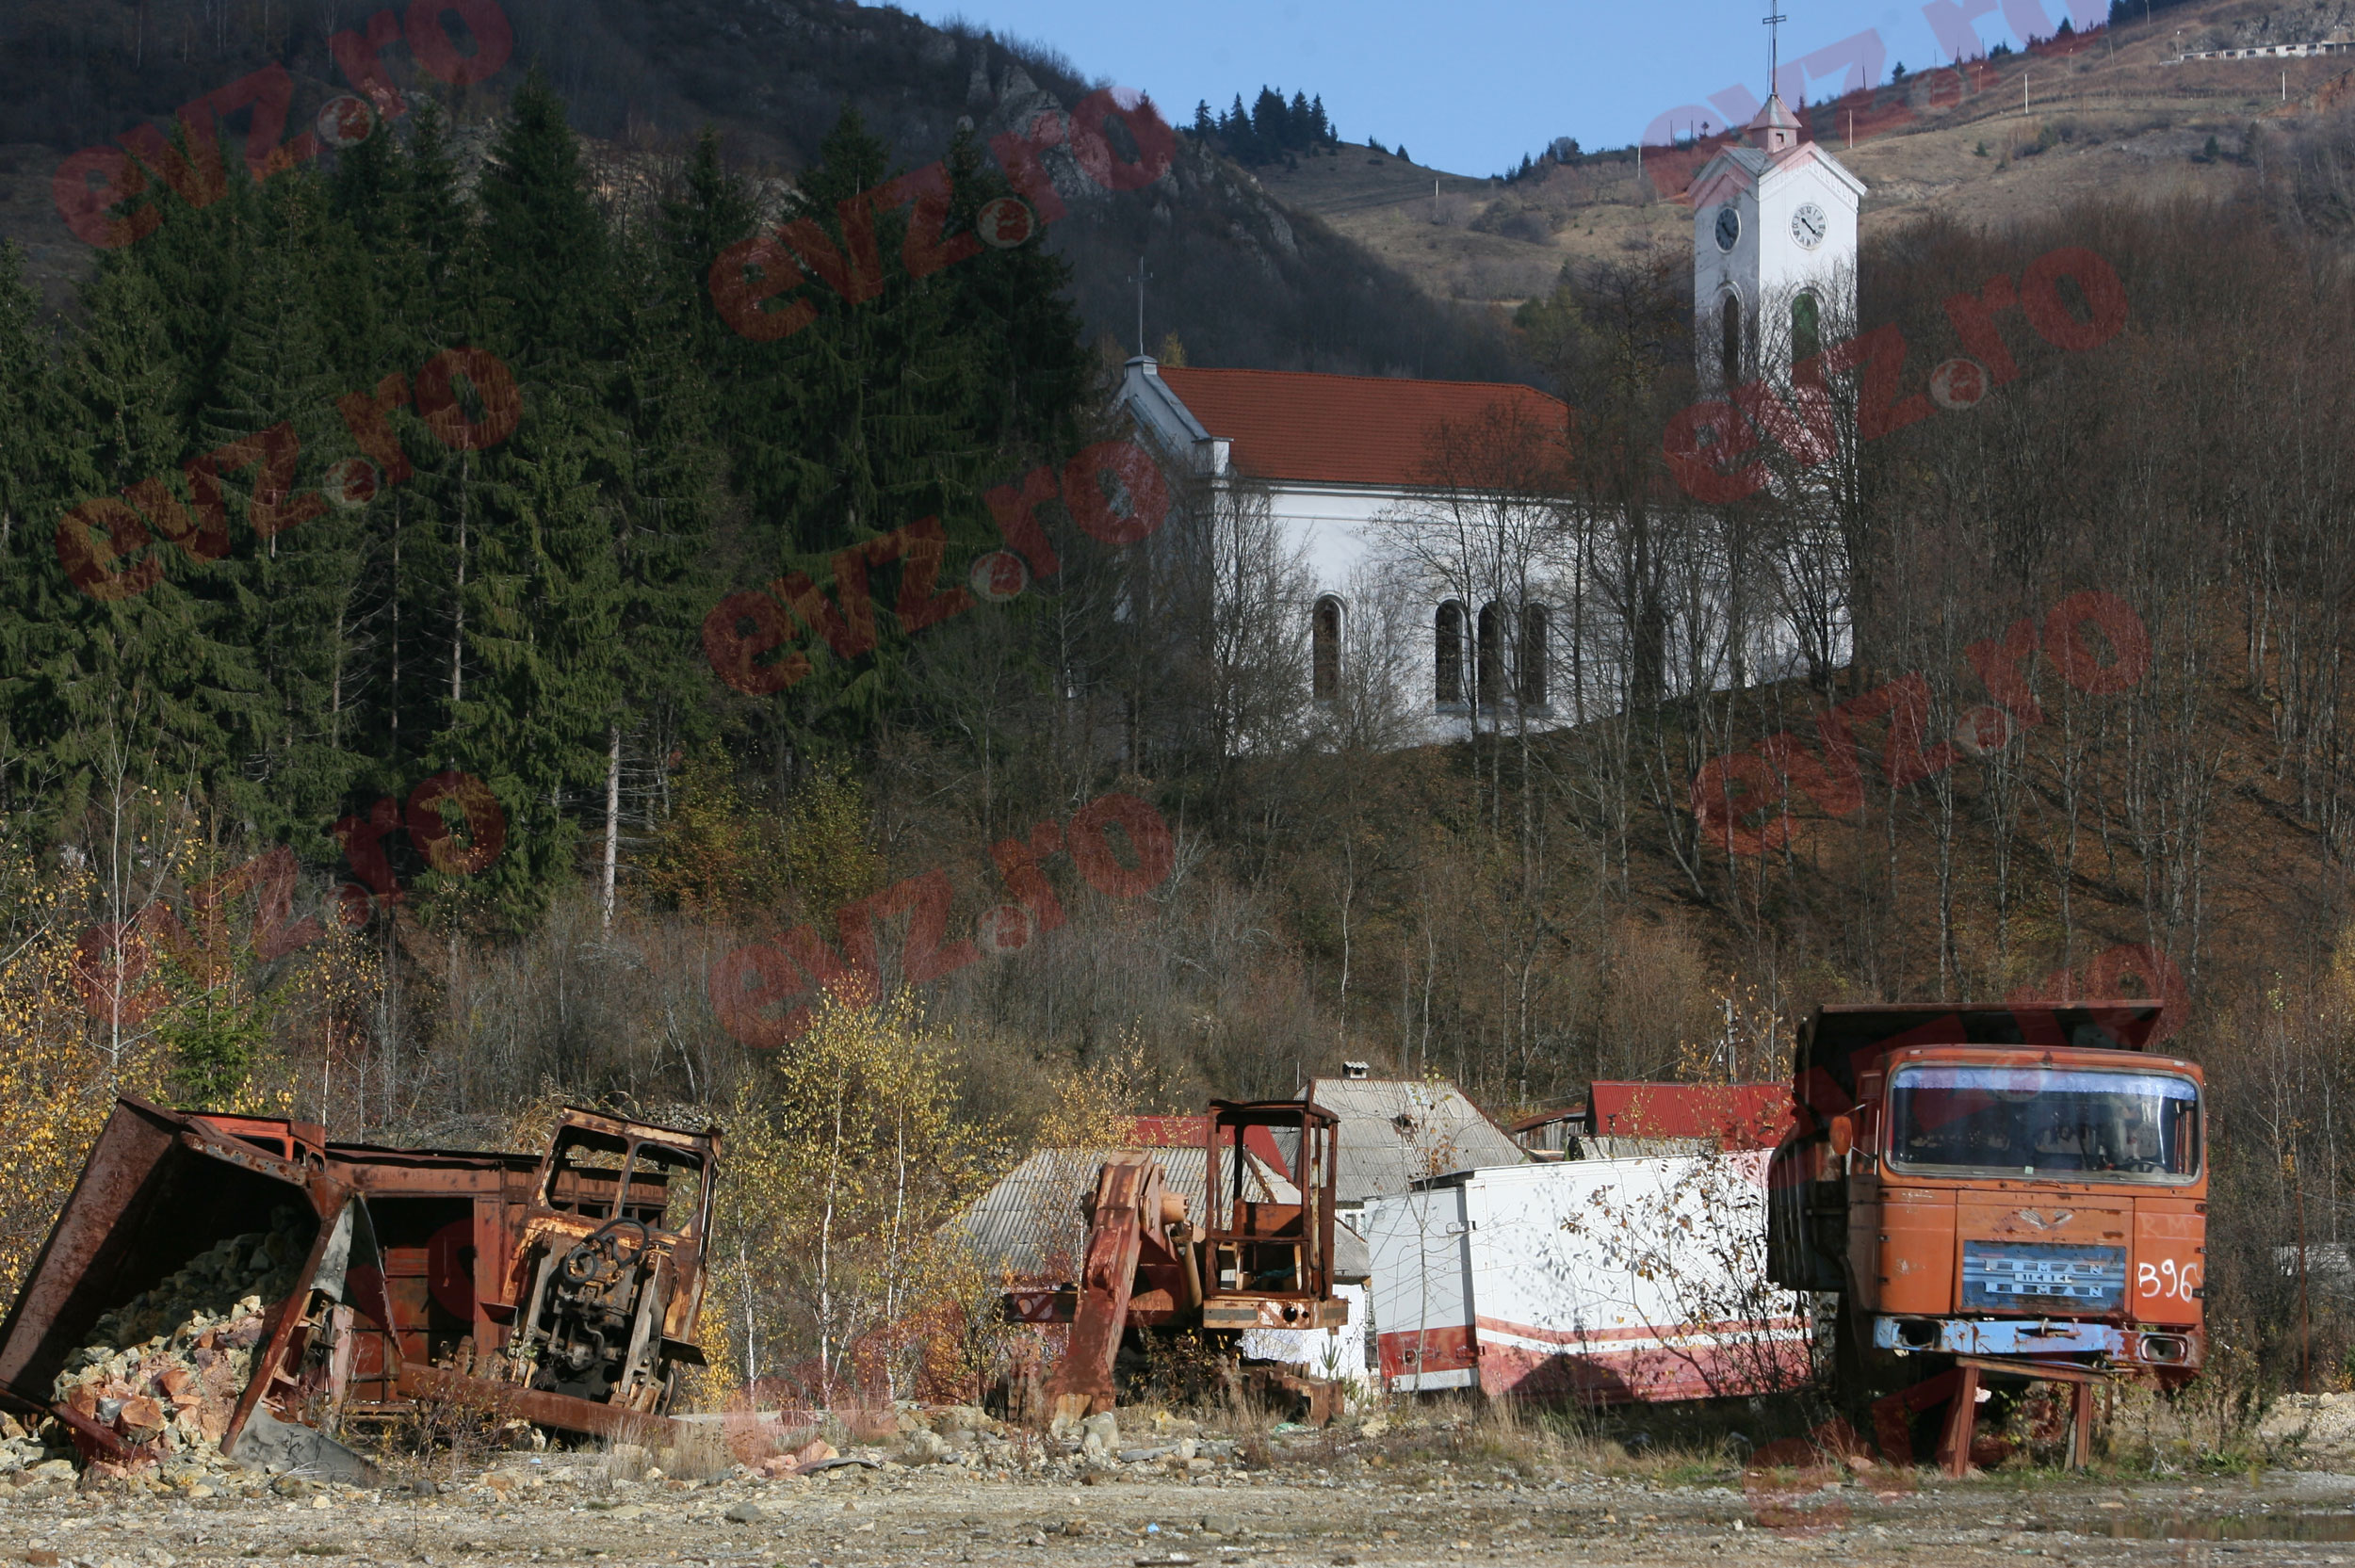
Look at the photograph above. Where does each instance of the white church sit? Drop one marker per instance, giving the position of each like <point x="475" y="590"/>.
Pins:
<point x="1349" y="470"/>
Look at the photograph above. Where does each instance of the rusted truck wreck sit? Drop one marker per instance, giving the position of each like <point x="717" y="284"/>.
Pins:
<point x="561" y="1290"/>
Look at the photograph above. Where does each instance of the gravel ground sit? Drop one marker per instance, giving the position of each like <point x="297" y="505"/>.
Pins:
<point x="1314" y="1503"/>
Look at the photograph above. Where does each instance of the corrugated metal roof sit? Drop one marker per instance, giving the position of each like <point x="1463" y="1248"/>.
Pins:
<point x="1032" y="1225"/>
<point x="1394" y="1132"/>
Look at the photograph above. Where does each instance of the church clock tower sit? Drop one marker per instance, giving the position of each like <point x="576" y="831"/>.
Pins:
<point x="1774" y="252"/>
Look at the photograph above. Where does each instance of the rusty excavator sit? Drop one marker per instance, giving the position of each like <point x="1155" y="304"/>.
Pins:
<point x="1252" y="1262"/>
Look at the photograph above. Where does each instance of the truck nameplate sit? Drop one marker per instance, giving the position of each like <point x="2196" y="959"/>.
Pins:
<point x="2019" y="1275"/>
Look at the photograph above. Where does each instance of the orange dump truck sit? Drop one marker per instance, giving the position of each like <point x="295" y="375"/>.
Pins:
<point x="1994" y="1193"/>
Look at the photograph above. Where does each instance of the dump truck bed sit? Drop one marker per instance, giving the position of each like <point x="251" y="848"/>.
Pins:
<point x="160" y="1187"/>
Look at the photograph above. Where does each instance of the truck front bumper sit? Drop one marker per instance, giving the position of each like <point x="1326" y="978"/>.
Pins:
<point x="2035" y="1336"/>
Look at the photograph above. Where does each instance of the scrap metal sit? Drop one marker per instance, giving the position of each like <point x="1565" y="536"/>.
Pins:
<point x="593" y="1251"/>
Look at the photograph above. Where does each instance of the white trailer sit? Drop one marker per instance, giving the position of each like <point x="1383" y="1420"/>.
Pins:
<point x="1615" y="1280"/>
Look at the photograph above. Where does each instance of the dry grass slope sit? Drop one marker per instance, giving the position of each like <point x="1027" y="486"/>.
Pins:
<point x="2113" y="118"/>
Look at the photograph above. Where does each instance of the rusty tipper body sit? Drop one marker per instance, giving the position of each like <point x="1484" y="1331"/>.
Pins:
<point x="2012" y="1191"/>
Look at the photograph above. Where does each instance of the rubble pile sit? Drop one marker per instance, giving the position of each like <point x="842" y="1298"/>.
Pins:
<point x="164" y="1370"/>
<point x="20" y="1449"/>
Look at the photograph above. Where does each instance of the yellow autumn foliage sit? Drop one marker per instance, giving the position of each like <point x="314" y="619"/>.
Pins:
<point x="831" y="1279"/>
<point x="56" y="1082"/>
<point x="69" y="1045"/>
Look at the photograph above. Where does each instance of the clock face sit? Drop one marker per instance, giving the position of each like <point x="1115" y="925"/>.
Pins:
<point x="1807" y="225"/>
<point x="1729" y="227"/>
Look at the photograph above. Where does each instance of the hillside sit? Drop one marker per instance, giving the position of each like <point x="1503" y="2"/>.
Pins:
<point x="1236" y="276"/>
<point x="1097" y="834"/>
<point x="2107" y="113"/>
<point x="1241" y="265"/>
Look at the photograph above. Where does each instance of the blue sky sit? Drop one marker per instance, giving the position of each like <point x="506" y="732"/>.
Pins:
<point x="1470" y="86"/>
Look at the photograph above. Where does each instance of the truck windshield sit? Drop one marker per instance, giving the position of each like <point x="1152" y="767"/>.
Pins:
<point x="2038" y="1121"/>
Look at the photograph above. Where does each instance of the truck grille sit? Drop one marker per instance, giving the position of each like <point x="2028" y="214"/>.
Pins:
<point x="2004" y="1275"/>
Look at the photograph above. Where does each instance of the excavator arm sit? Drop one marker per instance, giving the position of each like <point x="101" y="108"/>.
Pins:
<point x="1132" y="1215"/>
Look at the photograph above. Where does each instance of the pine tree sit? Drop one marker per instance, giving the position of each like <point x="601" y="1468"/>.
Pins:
<point x="1268" y="117"/>
<point x="1016" y="312"/>
<point x="529" y="535"/>
<point x="195" y="258"/>
<point x="294" y="562"/>
<point x="1204" y="126"/>
<point x="544" y="610"/>
<point x="711" y="211"/>
<point x="426" y="297"/>
<point x="438" y="223"/>
<point x="35" y="613"/>
<point x="667" y="488"/>
<point x="869" y="389"/>
<point x="542" y="252"/>
<point x="159" y="684"/>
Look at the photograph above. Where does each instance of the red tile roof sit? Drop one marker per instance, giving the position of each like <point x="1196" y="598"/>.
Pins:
<point x="1738" y="1115"/>
<point x="1188" y="1132"/>
<point x="1342" y="429"/>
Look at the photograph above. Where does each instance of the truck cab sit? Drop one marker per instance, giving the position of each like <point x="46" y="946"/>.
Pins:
<point x="2027" y="1185"/>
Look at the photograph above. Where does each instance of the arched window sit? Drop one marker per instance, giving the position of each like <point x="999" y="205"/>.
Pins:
<point x="1448" y="654"/>
<point x="1324" y="650"/>
<point x="1729" y="339"/>
<point x="1532" y="663"/>
<point x="1488" y="667"/>
<point x="1807" y="335"/>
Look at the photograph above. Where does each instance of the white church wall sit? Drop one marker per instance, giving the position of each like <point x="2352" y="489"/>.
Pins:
<point x="1358" y="545"/>
<point x="1330" y="523"/>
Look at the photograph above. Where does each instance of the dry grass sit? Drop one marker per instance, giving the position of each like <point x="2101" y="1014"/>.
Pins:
<point x="437" y="1440"/>
<point x="1510" y="1437"/>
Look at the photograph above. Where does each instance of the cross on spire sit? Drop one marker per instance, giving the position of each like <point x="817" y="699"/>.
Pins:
<point x="1774" y="62"/>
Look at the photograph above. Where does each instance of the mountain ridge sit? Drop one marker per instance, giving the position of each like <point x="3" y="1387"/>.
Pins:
<point x="1243" y="280"/>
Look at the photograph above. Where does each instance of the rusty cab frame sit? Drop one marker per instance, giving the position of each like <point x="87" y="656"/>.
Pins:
<point x="606" y="1281"/>
<point x="1268" y="1265"/>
